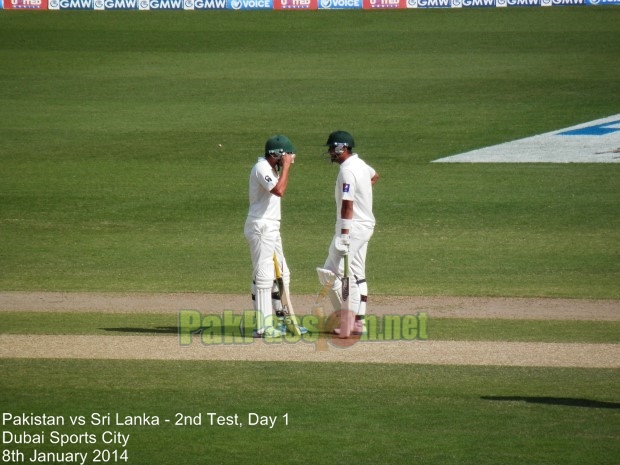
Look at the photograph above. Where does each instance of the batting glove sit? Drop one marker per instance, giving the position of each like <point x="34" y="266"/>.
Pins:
<point x="342" y="243"/>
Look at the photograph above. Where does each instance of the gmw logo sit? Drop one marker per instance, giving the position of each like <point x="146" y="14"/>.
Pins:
<point x="74" y="4"/>
<point x="209" y="4"/>
<point x="474" y="3"/>
<point x="434" y="3"/>
<point x="118" y="4"/>
<point x="166" y="4"/>
<point x="523" y="2"/>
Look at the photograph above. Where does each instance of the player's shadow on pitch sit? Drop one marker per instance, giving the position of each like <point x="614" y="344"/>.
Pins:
<point x="224" y="331"/>
<point x="156" y="330"/>
<point x="565" y="401"/>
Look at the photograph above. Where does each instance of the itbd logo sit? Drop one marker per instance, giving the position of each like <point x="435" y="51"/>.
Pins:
<point x="412" y="3"/>
<point x="54" y="4"/>
<point x="326" y="3"/>
<point x="236" y="4"/>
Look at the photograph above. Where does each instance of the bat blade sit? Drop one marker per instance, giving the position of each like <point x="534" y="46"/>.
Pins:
<point x="345" y="311"/>
<point x="324" y="290"/>
<point x="321" y="343"/>
<point x="287" y="306"/>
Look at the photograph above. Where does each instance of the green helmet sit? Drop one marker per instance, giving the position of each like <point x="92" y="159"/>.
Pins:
<point x="340" y="138"/>
<point x="278" y="145"/>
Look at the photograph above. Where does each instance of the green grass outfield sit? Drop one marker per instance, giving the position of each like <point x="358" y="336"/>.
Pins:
<point x="112" y="178"/>
<point x="337" y="413"/>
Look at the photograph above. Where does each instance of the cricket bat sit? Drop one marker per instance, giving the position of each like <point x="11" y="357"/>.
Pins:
<point x="321" y="343"/>
<point x="317" y="311"/>
<point x="287" y="306"/>
<point x="324" y="290"/>
<point x="345" y="311"/>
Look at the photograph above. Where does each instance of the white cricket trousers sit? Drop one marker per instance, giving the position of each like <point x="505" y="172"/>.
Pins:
<point x="264" y="239"/>
<point x="358" y="246"/>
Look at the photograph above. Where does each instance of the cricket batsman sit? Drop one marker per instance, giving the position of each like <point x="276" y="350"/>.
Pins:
<point x="355" y="224"/>
<point x="268" y="182"/>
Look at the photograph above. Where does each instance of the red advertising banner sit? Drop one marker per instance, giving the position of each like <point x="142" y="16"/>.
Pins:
<point x="384" y="4"/>
<point x="25" y="4"/>
<point x="295" y="4"/>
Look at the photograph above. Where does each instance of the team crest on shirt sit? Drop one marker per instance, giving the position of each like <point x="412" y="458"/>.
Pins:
<point x="346" y="187"/>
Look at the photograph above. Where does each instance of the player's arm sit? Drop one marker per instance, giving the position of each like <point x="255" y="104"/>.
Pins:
<point x="374" y="179"/>
<point x="280" y="188"/>
<point x="349" y="185"/>
<point x="346" y="213"/>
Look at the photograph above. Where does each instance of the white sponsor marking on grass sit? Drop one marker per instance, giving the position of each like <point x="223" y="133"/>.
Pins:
<point x="594" y="142"/>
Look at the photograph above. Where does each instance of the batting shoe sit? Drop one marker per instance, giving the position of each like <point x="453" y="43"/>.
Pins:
<point x="280" y="325"/>
<point x="302" y="329"/>
<point x="359" y="328"/>
<point x="291" y="328"/>
<point x="269" y="332"/>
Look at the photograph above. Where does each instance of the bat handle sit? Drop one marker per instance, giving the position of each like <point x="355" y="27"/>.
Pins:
<point x="276" y="266"/>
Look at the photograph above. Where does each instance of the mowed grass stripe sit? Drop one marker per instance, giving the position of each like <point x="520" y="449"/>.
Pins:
<point x="455" y="329"/>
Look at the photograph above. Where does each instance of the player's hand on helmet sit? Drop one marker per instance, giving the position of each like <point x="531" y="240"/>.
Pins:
<point x="342" y="243"/>
<point x="287" y="159"/>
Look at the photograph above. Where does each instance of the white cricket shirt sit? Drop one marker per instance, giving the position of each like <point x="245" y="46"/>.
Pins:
<point x="263" y="204"/>
<point x="354" y="184"/>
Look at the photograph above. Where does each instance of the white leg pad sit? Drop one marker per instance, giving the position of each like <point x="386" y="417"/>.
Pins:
<point x="363" y="288"/>
<point x="276" y="303"/>
<point x="264" y="306"/>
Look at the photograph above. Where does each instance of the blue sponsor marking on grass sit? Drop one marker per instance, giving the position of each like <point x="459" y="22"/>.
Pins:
<point x="596" y="130"/>
<point x="592" y="142"/>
